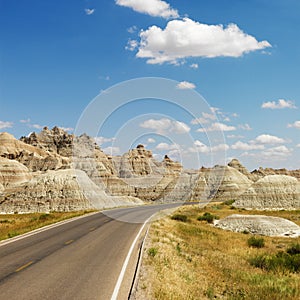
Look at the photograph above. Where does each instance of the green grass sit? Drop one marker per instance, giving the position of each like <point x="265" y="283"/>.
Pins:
<point x="194" y="260"/>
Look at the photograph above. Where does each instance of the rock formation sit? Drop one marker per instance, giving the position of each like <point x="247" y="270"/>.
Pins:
<point x="272" y="192"/>
<point x="259" y="224"/>
<point x="37" y="174"/>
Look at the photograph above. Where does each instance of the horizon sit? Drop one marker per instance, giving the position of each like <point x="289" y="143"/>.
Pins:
<point x="240" y="59"/>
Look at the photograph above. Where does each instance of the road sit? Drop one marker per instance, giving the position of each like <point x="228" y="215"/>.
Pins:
<point x="81" y="259"/>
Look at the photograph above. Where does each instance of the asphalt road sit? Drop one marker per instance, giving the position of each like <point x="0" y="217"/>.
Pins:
<point x="81" y="259"/>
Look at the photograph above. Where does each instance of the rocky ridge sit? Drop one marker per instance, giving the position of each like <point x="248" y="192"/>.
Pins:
<point x="54" y="170"/>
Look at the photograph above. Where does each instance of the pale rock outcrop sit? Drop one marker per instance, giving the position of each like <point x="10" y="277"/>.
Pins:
<point x="235" y="163"/>
<point x="12" y="173"/>
<point x="272" y="192"/>
<point x="35" y="159"/>
<point x="61" y="190"/>
<point x="259" y="224"/>
<point x="226" y="183"/>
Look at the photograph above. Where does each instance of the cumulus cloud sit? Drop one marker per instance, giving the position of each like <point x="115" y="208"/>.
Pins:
<point x="280" y="104"/>
<point x="100" y="140"/>
<point x="165" y="125"/>
<point x="246" y="127"/>
<point x="185" y="85"/>
<point x="5" y="124"/>
<point x="154" y="8"/>
<point x="246" y="147"/>
<point x="67" y="128"/>
<point x="203" y="148"/>
<point x="89" y="11"/>
<point x="187" y="38"/>
<point x="167" y="147"/>
<point x="272" y="154"/>
<point x="131" y="45"/>
<point x="112" y="150"/>
<point x="194" y="66"/>
<point x="217" y="127"/>
<point x="268" y="139"/>
<point x="294" y="125"/>
<point x="132" y="29"/>
<point x="151" y="141"/>
<point x="206" y="118"/>
<point x="298" y="146"/>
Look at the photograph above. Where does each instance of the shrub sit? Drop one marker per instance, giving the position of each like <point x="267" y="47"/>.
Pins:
<point x="208" y="217"/>
<point x="294" y="249"/>
<point x="281" y="261"/>
<point x="44" y="217"/>
<point x="256" y="242"/>
<point x="179" y="217"/>
<point x="228" y="202"/>
<point x="152" y="251"/>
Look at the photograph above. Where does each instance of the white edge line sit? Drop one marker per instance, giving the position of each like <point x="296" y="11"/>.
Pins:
<point x="44" y="228"/>
<point x="125" y="264"/>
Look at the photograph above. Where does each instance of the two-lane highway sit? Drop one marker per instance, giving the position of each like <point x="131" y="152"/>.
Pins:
<point x="81" y="259"/>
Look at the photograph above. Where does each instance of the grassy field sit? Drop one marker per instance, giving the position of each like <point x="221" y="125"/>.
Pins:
<point x="16" y="224"/>
<point x="185" y="258"/>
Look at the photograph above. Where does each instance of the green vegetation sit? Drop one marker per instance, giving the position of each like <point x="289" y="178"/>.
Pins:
<point x="256" y="242"/>
<point x="194" y="260"/>
<point x="16" y="224"/>
<point x="152" y="252"/>
<point x="208" y="217"/>
<point x="179" y="217"/>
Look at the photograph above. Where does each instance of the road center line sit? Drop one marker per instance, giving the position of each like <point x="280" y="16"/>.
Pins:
<point x="24" y="266"/>
<point x="123" y="270"/>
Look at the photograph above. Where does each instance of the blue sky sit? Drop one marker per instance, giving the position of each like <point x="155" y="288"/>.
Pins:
<point x="243" y="57"/>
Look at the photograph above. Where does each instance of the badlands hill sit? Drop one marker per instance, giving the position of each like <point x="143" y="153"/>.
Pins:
<point x="53" y="170"/>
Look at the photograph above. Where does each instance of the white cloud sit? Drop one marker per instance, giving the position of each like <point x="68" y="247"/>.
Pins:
<point x="151" y="141"/>
<point x="132" y="29"/>
<point x="233" y="136"/>
<point x="280" y="104"/>
<point x="112" y="150"/>
<point x="4" y="124"/>
<point x="36" y="126"/>
<point x="185" y="85"/>
<point x="187" y="38"/>
<point x="298" y="146"/>
<point x="166" y="125"/>
<point x="154" y="8"/>
<point x="202" y="148"/>
<point x="268" y="139"/>
<point x="131" y="45"/>
<point x="273" y="154"/>
<point x="194" y="66"/>
<point x="246" y="127"/>
<point x="167" y="147"/>
<point x="294" y="125"/>
<point x="25" y="121"/>
<point x="206" y="118"/>
<point x="89" y="11"/>
<point x="100" y="140"/>
<point x="246" y="147"/>
<point x="67" y="128"/>
<point x="217" y="127"/>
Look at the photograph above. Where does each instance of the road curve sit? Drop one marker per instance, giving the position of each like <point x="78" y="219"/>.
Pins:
<point x="81" y="259"/>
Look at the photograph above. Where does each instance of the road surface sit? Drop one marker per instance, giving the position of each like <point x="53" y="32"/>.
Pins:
<point x="81" y="259"/>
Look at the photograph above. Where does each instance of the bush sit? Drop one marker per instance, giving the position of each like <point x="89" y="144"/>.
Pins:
<point x="294" y="249"/>
<point x="179" y="217"/>
<point x="256" y="242"/>
<point x="208" y="217"/>
<point x="152" y="251"/>
<point x="281" y="261"/>
<point x="228" y="202"/>
<point x="44" y="217"/>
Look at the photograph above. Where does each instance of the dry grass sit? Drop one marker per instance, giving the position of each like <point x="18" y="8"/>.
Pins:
<point x="194" y="260"/>
<point x="13" y="225"/>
